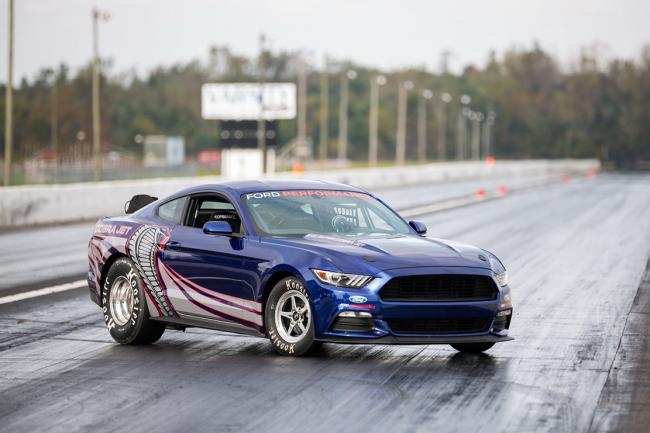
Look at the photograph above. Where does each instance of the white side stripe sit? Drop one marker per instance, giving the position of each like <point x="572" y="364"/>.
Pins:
<point x="44" y="291"/>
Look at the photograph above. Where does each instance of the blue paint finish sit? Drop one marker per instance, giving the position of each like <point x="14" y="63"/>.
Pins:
<point x="242" y="266"/>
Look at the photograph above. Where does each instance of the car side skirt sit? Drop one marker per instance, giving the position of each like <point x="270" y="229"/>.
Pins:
<point x="190" y="321"/>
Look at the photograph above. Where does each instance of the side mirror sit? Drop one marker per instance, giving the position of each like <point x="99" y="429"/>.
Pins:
<point x="419" y="227"/>
<point x="221" y="228"/>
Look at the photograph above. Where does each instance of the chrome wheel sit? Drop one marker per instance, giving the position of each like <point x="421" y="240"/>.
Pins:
<point x="293" y="316"/>
<point x="121" y="300"/>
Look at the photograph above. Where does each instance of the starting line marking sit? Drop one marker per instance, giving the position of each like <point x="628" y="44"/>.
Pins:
<point x="43" y="292"/>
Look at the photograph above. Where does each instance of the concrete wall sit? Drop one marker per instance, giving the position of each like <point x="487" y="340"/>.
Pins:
<point x="61" y="203"/>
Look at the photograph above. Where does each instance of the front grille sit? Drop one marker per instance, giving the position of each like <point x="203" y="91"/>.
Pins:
<point x="439" y="326"/>
<point x="439" y="288"/>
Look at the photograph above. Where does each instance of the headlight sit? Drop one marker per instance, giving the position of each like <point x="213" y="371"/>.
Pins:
<point x="342" y="280"/>
<point x="502" y="278"/>
<point x="499" y="270"/>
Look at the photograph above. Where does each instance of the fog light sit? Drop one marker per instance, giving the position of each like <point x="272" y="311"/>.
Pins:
<point x="353" y="321"/>
<point x="504" y="313"/>
<point x="359" y="314"/>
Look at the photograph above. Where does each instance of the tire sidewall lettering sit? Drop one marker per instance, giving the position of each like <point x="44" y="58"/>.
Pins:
<point x="126" y="269"/>
<point x="277" y="341"/>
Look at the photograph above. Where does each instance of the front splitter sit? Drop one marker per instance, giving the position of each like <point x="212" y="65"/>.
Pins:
<point x="392" y="339"/>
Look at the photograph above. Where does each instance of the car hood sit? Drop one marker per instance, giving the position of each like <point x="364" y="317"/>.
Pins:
<point x="350" y="254"/>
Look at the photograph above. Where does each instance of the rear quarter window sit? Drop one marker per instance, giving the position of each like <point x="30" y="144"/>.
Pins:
<point x="172" y="211"/>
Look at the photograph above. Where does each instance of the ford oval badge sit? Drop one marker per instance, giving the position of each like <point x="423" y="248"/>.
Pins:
<point x="358" y="299"/>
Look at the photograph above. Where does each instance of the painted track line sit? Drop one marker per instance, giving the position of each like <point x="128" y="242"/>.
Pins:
<point x="470" y="199"/>
<point x="43" y="292"/>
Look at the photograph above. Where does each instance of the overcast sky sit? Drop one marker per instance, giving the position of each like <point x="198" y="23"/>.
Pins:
<point x="142" y="34"/>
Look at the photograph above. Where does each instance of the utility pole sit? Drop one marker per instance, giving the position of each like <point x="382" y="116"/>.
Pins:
<point x="373" y="119"/>
<point x="422" y="124"/>
<point x="9" y="134"/>
<point x="302" y="104"/>
<point x="445" y="98"/>
<point x="476" y="119"/>
<point x="485" y="141"/>
<point x="400" y="145"/>
<point x="324" y="109"/>
<point x="488" y="134"/>
<point x="461" y="135"/>
<point x="97" y="149"/>
<point x="54" y="131"/>
<point x="261" y="121"/>
<point x="343" y="114"/>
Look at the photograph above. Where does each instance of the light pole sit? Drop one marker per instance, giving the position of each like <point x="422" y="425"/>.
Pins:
<point x="54" y="120"/>
<point x="445" y="98"/>
<point x="487" y="139"/>
<point x="324" y="108"/>
<point x="261" y="121"/>
<point x="400" y="146"/>
<point x="97" y="148"/>
<point x="9" y="135"/>
<point x="302" y="104"/>
<point x="343" y="114"/>
<point x="373" y="120"/>
<point x="476" y="118"/>
<point x="461" y="135"/>
<point x="422" y="124"/>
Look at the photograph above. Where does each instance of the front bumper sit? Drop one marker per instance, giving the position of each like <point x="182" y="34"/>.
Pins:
<point x="330" y="301"/>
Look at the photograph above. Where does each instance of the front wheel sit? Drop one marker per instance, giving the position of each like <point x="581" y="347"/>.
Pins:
<point x="289" y="318"/>
<point x="472" y="347"/>
<point x="124" y="305"/>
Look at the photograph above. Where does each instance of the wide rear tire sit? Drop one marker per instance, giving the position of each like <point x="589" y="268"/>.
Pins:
<point x="124" y="305"/>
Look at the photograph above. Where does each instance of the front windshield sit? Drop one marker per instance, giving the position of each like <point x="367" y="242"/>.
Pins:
<point x="299" y="213"/>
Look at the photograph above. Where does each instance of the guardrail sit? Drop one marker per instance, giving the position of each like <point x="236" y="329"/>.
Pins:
<point x="22" y="206"/>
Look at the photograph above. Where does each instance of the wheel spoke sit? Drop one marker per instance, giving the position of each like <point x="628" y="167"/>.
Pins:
<point x="121" y="300"/>
<point x="293" y="316"/>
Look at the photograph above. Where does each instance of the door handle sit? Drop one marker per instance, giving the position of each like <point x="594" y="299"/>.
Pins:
<point x="173" y="245"/>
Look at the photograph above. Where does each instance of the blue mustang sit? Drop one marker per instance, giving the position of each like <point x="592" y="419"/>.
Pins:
<point x="300" y="262"/>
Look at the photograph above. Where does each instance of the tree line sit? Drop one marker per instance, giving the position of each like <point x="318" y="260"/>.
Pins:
<point x="590" y="108"/>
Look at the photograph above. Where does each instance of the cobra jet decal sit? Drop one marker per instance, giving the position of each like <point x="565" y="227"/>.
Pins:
<point x="99" y="250"/>
<point x="243" y="311"/>
<point x="144" y="247"/>
<point x="319" y="237"/>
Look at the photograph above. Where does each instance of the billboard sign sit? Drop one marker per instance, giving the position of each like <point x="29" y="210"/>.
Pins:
<point x="248" y="101"/>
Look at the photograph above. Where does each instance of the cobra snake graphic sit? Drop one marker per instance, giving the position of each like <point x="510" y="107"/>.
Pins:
<point x="143" y="247"/>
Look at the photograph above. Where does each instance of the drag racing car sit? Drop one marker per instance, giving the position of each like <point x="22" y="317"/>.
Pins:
<point x="298" y="262"/>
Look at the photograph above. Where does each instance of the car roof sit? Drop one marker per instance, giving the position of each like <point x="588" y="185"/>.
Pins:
<point x="249" y="186"/>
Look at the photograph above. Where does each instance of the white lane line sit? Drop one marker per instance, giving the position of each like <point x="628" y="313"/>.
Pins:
<point x="43" y="292"/>
<point x="439" y="206"/>
<point x="465" y="200"/>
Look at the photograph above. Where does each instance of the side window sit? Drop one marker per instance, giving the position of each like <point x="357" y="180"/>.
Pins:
<point x="212" y="208"/>
<point x="172" y="211"/>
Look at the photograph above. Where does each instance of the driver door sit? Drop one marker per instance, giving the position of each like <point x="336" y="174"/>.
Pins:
<point x="214" y="278"/>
